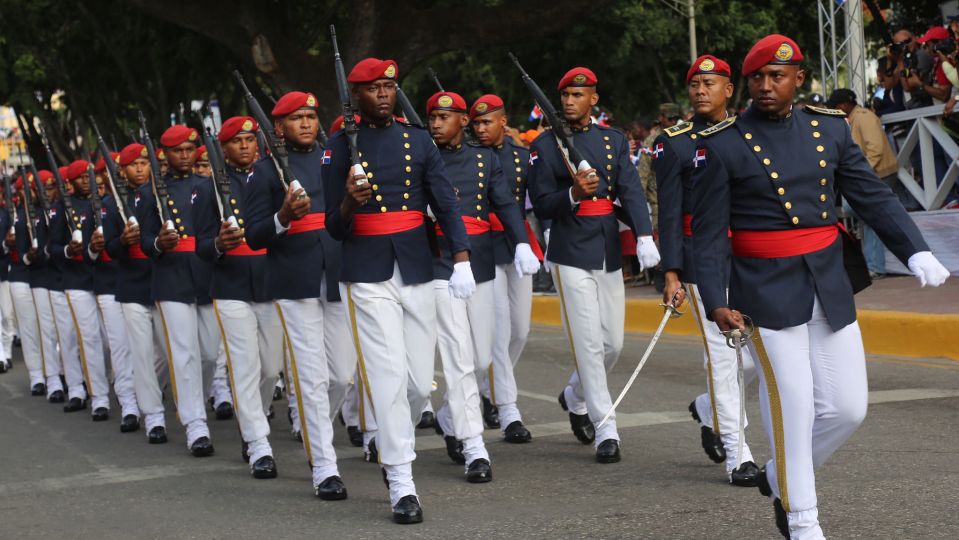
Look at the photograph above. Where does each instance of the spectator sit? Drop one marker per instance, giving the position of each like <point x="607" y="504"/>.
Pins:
<point x="938" y="43"/>
<point x="868" y="133"/>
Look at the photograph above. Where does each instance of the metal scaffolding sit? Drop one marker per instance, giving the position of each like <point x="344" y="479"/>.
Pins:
<point x="841" y="40"/>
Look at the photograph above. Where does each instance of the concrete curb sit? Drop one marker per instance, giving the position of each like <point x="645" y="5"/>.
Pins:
<point x="893" y="333"/>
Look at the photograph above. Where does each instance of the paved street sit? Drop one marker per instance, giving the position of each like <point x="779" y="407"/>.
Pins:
<point x="66" y="477"/>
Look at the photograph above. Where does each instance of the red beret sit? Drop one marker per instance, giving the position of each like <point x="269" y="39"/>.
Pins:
<point x="19" y="182"/>
<point x="77" y="169"/>
<point x="63" y="174"/>
<point x="708" y="64"/>
<point x="235" y="126"/>
<point x="161" y="155"/>
<point x="485" y="105"/>
<point x="578" y="76"/>
<point x="131" y="153"/>
<point x="339" y="124"/>
<point x="178" y="134"/>
<point x="372" y="69"/>
<point x="772" y="49"/>
<point x="446" y="101"/>
<point x="935" y="33"/>
<point x="200" y="154"/>
<point x="292" y="101"/>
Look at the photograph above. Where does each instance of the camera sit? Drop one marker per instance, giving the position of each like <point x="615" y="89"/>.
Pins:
<point x="945" y="46"/>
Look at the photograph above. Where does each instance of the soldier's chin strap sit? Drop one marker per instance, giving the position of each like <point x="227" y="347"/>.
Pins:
<point x="735" y="339"/>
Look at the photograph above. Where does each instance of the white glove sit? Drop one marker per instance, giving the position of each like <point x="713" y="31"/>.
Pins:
<point x="462" y="284"/>
<point x="646" y="252"/>
<point x="525" y="261"/>
<point x="927" y="269"/>
<point x="546" y="236"/>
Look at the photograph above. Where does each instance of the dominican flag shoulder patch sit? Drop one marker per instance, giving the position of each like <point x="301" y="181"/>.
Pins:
<point x="193" y="197"/>
<point x="658" y="151"/>
<point x="327" y="156"/>
<point x="700" y="159"/>
<point x="533" y="156"/>
<point x="136" y="199"/>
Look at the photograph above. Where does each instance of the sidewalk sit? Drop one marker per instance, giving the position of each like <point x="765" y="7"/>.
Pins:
<point x="896" y="316"/>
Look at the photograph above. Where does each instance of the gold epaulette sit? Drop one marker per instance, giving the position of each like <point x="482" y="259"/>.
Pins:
<point x="678" y="129"/>
<point x="824" y="110"/>
<point x="712" y="130"/>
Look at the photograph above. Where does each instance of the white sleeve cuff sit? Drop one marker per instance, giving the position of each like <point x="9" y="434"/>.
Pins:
<point x="280" y="229"/>
<point x="572" y="202"/>
<point x="66" y="254"/>
<point x="92" y="255"/>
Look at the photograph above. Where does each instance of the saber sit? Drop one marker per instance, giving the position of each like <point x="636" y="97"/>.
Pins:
<point x="735" y="339"/>
<point x="670" y="312"/>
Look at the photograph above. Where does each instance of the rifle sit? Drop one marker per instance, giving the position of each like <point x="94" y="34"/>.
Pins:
<point x="159" y="185"/>
<point x="221" y="181"/>
<point x="435" y="79"/>
<point x="560" y="129"/>
<point x="41" y="194"/>
<point x="278" y="152"/>
<point x="409" y="111"/>
<point x="349" y="121"/>
<point x="114" y="182"/>
<point x="71" y="217"/>
<point x="8" y="199"/>
<point x="27" y="203"/>
<point x="95" y="202"/>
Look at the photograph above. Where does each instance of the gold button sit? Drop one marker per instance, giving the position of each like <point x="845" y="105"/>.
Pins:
<point x="240" y="221"/>
<point x="177" y="220"/>
<point x="822" y="163"/>
<point x="182" y="228"/>
<point x="516" y="160"/>
<point x="408" y="157"/>
<point x="369" y="174"/>
<point x="766" y="161"/>
<point x="232" y="201"/>
<point x="774" y="175"/>
<point x="795" y="220"/>
<point x="814" y="123"/>
<point x="693" y="136"/>
<point x="518" y="190"/>
<point x="757" y="148"/>
<point x="409" y="169"/>
<point x="406" y="195"/>
<point x="519" y="179"/>
<point x="479" y="196"/>
<point x="479" y="207"/>
<point x="480" y="174"/>
<point x="408" y="181"/>
<point x="169" y="202"/>
<point x="823" y="181"/>
<point x="517" y="199"/>
<point x="379" y="198"/>
<point x="480" y="156"/>
<point x="375" y="187"/>
<point x="382" y="209"/>
<point x="609" y="156"/>
<point x="404" y="207"/>
<point x="816" y="134"/>
<point x="823" y="197"/>
<point x="748" y="136"/>
<point x="781" y="191"/>
<point x="480" y="164"/>
<point x="174" y="210"/>
<point x="184" y="235"/>
<point x="608" y="147"/>
<point x="825" y="215"/>
<point x="406" y="145"/>
<point x="609" y="167"/>
<point x="595" y="198"/>
<point x="406" y="135"/>
<point x="788" y="205"/>
<point x="606" y="137"/>
<point x="608" y="198"/>
<point x="820" y="148"/>
<point x="365" y="164"/>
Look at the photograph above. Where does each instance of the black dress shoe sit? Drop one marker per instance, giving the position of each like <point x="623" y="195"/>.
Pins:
<point x="371" y="455"/>
<point x="746" y="475"/>
<point x="224" y="411"/>
<point x="129" y="424"/>
<point x="427" y="420"/>
<point x="355" y="435"/>
<point x="3" y="366"/>
<point x="75" y="404"/>
<point x="16" y="341"/>
<point x="101" y="414"/>
<point x="277" y="393"/>
<point x="712" y="444"/>
<point x="157" y="435"/>
<point x="408" y="510"/>
<point x="202" y="447"/>
<point x="289" y="415"/>
<point x="582" y="428"/>
<point x="265" y="467"/>
<point x="297" y="435"/>
<point x="331" y="489"/>
<point x="490" y="413"/>
<point x="245" y="452"/>
<point x="454" y="449"/>
<point x="479" y="472"/>
<point x="782" y="521"/>
<point x="517" y="433"/>
<point x="38" y="389"/>
<point x="763" y="483"/>
<point x="608" y="451"/>
<point x="57" y="396"/>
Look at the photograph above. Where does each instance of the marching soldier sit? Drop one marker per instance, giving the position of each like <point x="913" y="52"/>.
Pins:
<point x="717" y="411"/>
<point x="512" y="290"/>
<point x="770" y="178"/>
<point x="8" y="318"/>
<point x="584" y="251"/>
<point x="201" y="162"/>
<point x="181" y="282"/>
<point x="133" y="291"/>
<point x="387" y="268"/>
<point x="248" y="319"/>
<point x="303" y="262"/>
<point x="84" y="317"/>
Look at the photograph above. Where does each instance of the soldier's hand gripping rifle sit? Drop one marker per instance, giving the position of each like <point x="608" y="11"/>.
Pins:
<point x="278" y="152"/>
<point x="349" y="121"/>
<point x="114" y="182"/>
<point x="159" y="184"/>
<point x="27" y="204"/>
<point x="221" y="181"/>
<point x="71" y="218"/>
<point x="560" y="129"/>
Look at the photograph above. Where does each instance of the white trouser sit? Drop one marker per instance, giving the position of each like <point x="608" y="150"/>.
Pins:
<point x="394" y="330"/>
<point x="513" y="295"/>
<point x="8" y="325"/>
<point x="86" y="328"/>
<point x="250" y="333"/>
<point x="813" y="395"/>
<point x="465" y="343"/>
<point x="29" y="330"/>
<point x="593" y="306"/>
<point x="718" y="408"/>
<point x="179" y="324"/>
<point x="66" y="335"/>
<point x="111" y="314"/>
<point x="351" y="405"/>
<point x="290" y="388"/>
<point x="212" y="356"/>
<point x="320" y="371"/>
<point x="147" y="355"/>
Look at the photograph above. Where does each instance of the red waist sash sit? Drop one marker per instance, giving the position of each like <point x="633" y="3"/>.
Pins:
<point x="497" y="226"/>
<point x="688" y="226"/>
<point x="310" y="222"/>
<point x="599" y="207"/>
<point x="243" y="250"/>
<point x="185" y="245"/>
<point x="104" y="257"/>
<point x="789" y="243"/>
<point x="474" y="226"/>
<point x="383" y="223"/>
<point x="134" y="251"/>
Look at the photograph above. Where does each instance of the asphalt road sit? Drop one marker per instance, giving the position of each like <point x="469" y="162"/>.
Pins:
<point x="63" y="476"/>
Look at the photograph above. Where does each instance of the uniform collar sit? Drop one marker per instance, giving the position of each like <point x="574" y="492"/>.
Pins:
<point x="772" y="117"/>
<point x="583" y="129"/>
<point x="301" y="150"/>
<point x="239" y="170"/>
<point x="371" y="125"/>
<point x="175" y="176"/>
<point x="452" y="147"/>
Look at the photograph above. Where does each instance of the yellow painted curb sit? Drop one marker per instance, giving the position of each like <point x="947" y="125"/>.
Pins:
<point x="894" y="333"/>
